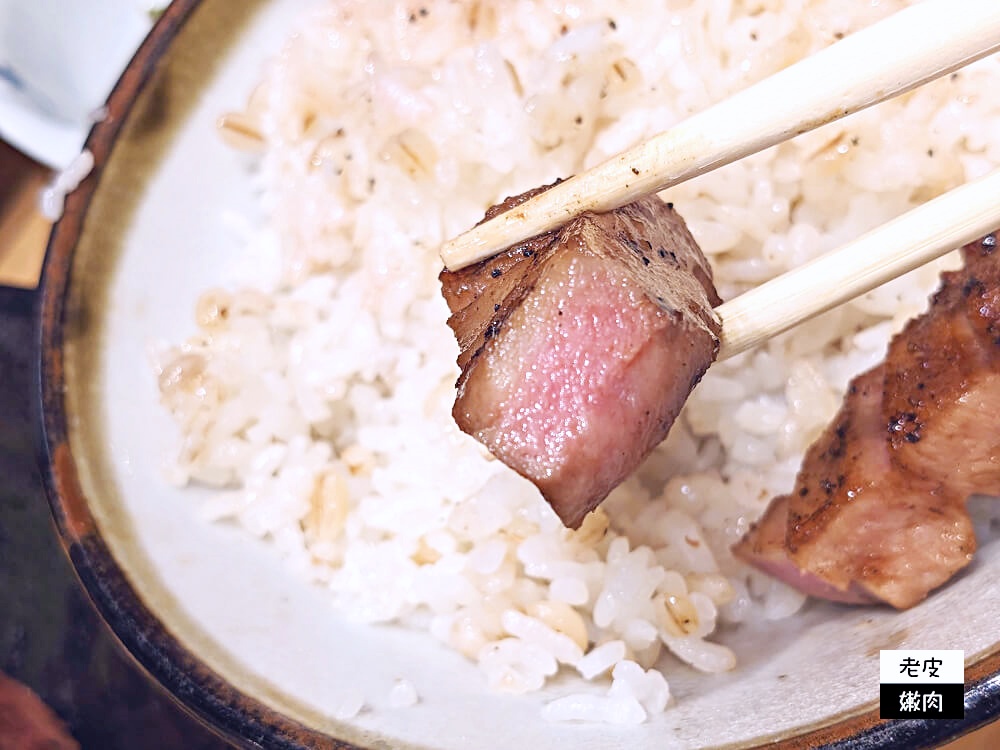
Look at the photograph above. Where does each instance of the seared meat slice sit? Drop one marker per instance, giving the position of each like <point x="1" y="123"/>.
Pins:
<point x="856" y="518"/>
<point x="942" y="380"/>
<point x="878" y="510"/>
<point x="858" y="524"/>
<point x="579" y="347"/>
<point x="765" y="548"/>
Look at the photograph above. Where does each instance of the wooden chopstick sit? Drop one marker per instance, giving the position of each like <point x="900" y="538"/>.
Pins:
<point x="899" y="53"/>
<point x="917" y="237"/>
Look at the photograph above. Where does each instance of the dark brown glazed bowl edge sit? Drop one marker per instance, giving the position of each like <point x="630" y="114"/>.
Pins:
<point x="234" y="716"/>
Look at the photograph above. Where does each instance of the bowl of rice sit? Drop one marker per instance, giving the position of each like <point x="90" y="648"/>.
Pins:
<point x="247" y="380"/>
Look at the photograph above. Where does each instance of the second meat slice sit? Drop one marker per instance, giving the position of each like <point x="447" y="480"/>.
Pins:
<point x="878" y="512"/>
<point x="579" y="347"/>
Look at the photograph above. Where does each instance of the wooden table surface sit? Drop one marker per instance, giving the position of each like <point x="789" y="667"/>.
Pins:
<point x="23" y="230"/>
<point x="23" y="234"/>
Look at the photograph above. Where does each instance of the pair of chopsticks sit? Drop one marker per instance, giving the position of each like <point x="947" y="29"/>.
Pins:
<point x="900" y="53"/>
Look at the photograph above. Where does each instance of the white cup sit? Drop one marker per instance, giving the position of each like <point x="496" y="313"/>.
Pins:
<point x="59" y="60"/>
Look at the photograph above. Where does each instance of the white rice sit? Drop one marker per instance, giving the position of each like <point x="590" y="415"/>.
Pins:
<point x="403" y="694"/>
<point x="349" y="706"/>
<point x="318" y="401"/>
<point x="53" y="196"/>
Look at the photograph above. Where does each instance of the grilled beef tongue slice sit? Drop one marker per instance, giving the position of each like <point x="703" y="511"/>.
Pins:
<point x="578" y="347"/>
<point x="878" y="509"/>
<point x="856" y="528"/>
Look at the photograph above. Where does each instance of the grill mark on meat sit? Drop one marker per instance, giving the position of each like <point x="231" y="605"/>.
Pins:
<point x="905" y="425"/>
<point x="579" y="346"/>
<point x="908" y="446"/>
<point x="952" y="354"/>
<point x="766" y="548"/>
<point x="883" y="535"/>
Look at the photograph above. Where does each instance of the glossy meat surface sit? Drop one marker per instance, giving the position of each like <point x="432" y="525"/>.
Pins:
<point x="942" y="382"/>
<point x="579" y="347"/>
<point x="878" y="509"/>
<point x="766" y="549"/>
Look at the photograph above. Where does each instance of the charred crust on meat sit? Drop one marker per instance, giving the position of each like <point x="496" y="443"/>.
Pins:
<point x="912" y="447"/>
<point x="696" y="378"/>
<point x="492" y="329"/>
<point x="905" y="426"/>
<point x="838" y="444"/>
<point x="973" y="285"/>
<point x="629" y="242"/>
<point x="664" y="253"/>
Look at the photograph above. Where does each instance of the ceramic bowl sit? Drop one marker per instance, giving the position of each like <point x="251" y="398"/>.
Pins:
<point x="211" y="614"/>
<point x="58" y="61"/>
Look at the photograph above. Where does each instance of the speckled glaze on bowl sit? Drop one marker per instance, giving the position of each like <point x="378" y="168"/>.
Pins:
<point x="210" y="613"/>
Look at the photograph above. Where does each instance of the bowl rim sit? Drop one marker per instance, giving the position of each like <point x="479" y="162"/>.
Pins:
<point x="199" y="690"/>
<point x="203" y="693"/>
